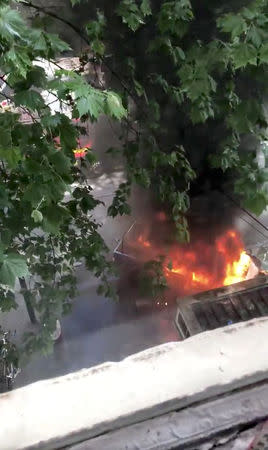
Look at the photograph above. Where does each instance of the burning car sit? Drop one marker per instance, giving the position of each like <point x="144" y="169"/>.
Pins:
<point x="204" y="265"/>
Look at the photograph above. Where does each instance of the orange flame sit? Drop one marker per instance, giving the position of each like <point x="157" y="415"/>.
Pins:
<point x="202" y="266"/>
<point x="143" y="241"/>
<point x="200" y="278"/>
<point x="237" y="260"/>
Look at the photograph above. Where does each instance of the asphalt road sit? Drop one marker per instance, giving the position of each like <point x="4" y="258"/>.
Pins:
<point x="100" y="330"/>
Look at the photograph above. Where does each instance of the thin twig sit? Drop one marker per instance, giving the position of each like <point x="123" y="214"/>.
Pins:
<point x="3" y="170"/>
<point x="11" y="99"/>
<point x="54" y="258"/>
<point x="22" y="107"/>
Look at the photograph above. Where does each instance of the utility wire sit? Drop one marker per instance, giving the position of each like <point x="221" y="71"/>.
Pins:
<point x="245" y="211"/>
<point x="255" y="228"/>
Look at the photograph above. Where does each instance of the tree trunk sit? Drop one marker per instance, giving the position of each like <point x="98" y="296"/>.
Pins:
<point x="28" y="304"/>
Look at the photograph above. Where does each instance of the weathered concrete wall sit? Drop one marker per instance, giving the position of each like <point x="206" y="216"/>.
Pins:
<point x="208" y="422"/>
<point x="52" y="414"/>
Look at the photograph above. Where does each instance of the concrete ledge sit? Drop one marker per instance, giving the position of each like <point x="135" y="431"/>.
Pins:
<point x="54" y="413"/>
<point x="205" y="422"/>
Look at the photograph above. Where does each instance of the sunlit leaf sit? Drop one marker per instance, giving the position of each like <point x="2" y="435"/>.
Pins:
<point x="114" y="106"/>
<point x="232" y="23"/>
<point x="13" y="266"/>
<point x="146" y="7"/>
<point x="37" y="216"/>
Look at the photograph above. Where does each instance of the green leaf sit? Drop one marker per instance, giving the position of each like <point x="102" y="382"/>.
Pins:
<point x="176" y="94"/>
<point x="95" y="32"/>
<point x="232" y="23"/>
<point x="8" y="120"/>
<point x="244" y="118"/>
<point x="51" y="121"/>
<point x="50" y="191"/>
<point x="174" y="16"/>
<point x="36" y="76"/>
<point x="115" y="107"/>
<point x="4" y="201"/>
<point x="162" y="82"/>
<point x="11" y="155"/>
<point x="67" y="132"/>
<point x="31" y="99"/>
<point x="201" y="111"/>
<point x="37" y="216"/>
<point x="11" y="24"/>
<point x="13" y="266"/>
<point x="138" y="88"/>
<point x="257" y="203"/>
<point x="83" y="105"/>
<point x="254" y="36"/>
<point x="178" y="54"/>
<point x="5" y="238"/>
<point x="264" y="53"/>
<point x="93" y="104"/>
<point x="7" y="301"/>
<point x="119" y="204"/>
<point x="213" y="83"/>
<point x="172" y="159"/>
<point x="248" y="14"/>
<point x="228" y="159"/>
<point x="244" y="54"/>
<point x="60" y="161"/>
<point x="146" y="7"/>
<point x="142" y="177"/>
<point x="17" y="60"/>
<point x="88" y="203"/>
<point x="130" y="14"/>
<point x="181" y="203"/>
<point x="57" y="45"/>
<point x="40" y="42"/>
<point x="98" y="47"/>
<point x="95" y="28"/>
<point x="5" y="138"/>
<point x="53" y="216"/>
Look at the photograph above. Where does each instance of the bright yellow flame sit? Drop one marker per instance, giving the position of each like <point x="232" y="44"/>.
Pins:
<point x="180" y="270"/>
<point x="200" y="278"/>
<point x="237" y="270"/>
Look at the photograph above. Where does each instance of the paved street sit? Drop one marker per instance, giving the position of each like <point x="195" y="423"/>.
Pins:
<point x="99" y="330"/>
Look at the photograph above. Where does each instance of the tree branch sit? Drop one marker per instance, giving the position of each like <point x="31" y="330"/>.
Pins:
<point x="21" y="107"/>
<point x="78" y="31"/>
<point x="55" y="16"/>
